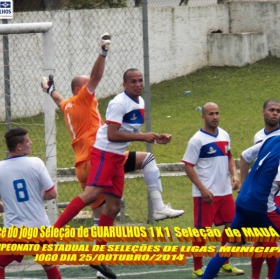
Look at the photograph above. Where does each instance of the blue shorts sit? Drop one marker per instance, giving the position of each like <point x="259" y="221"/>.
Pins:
<point x="249" y="219"/>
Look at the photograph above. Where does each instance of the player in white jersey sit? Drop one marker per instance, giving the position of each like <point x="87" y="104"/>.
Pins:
<point x="24" y="185"/>
<point x="271" y="116"/>
<point x="122" y="126"/>
<point x="208" y="164"/>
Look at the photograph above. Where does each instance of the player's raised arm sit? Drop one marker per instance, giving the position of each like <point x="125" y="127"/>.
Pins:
<point x="99" y="65"/>
<point x="48" y="86"/>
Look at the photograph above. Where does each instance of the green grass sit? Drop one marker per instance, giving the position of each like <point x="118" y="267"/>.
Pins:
<point x="239" y="92"/>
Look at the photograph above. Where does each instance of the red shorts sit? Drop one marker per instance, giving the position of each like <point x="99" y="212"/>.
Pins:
<point x="107" y="172"/>
<point x="220" y="212"/>
<point x="7" y="259"/>
<point x="82" y="171"/>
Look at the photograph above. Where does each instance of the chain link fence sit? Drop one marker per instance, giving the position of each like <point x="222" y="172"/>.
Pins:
<point x="75" y="47"/>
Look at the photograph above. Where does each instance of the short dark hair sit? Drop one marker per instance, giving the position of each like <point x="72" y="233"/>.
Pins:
<point x="125" y="74"/>
<point x="14" y="137"/>
<point x="269" y="101"/>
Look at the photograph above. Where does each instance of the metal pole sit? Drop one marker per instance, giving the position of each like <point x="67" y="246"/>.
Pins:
<point x="7" y="85"/>
<point x="50" y="129"/>
<point x="147" y="90"/>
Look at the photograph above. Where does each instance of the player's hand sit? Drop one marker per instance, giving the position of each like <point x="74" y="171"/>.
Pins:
<point x="150" y="137"/>
<point x="47" y="84"/>
<point x="105" y="42"/>
<point x="236" y="185"/>
<point x="163" y="138"/>
<point x="207" y="196"/>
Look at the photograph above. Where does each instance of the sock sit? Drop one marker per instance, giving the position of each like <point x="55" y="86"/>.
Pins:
<point x="105" y="221"/>
<point x="2" y="273"/>
<point x="153" y="181"/>
<point x="73" y="208"/>
<point x="271" y="262"/>
<point x="197" y="261"/>
<point x="213" y="267"/>
<point x="95" y="221"/>
<point x="224" y="241"/>
<point x="53" y="273"/>
<point x="277" y="272"/>
<point x="256" y="264"/>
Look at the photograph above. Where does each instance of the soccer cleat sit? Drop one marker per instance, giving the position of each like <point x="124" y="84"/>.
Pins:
<point x="230" y="269"/>
<point x="167" y="213"/>
<point x="106" y="270"/>
<point x="99" y="275"/>
<point x="198" y="273"/>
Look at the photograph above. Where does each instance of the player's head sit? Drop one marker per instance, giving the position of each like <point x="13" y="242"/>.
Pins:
<point x="133" y="82"/>
<point x="210" y="115"/>
<point x="18" y="142"/>
<point x="77" y="83"/>
<point x="271" y="113"/>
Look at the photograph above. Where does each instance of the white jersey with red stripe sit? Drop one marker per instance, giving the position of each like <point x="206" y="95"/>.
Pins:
<point x="127" y="113"/>
<point x="22" y="182"/>
<point x="209" y="154"/>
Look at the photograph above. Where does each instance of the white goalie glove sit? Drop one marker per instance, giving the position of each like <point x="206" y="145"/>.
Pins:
<point x="105" y="42"/>
<point x="47" y="84"/>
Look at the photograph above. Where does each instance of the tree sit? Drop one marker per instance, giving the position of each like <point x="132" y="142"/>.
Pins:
<point x="94" y="4"/>
<point x="184" y="2"/>
<point x="138" y="3"/>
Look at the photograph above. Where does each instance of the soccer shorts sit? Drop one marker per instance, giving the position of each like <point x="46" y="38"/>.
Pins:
<point x="83" y="168"/>
<point x="82" y="172"/>
<point x="251" y="219"/>
<point x="107" y="172"/>
<point x="220" y="212"/>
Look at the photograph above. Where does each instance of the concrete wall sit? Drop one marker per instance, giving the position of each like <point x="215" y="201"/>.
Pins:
<point x="177" y="44"/>
<point x="231" y="49"/>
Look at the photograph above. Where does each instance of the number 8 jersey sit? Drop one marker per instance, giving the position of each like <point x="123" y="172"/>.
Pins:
<point x="23" y="181"/>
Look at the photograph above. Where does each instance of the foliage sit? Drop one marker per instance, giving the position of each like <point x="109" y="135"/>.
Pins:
<point x="93" y="4"/>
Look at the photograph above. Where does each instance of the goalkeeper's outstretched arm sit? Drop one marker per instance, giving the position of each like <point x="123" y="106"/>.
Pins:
<point x="99" y="65"/>
<point x="48" y="86"/>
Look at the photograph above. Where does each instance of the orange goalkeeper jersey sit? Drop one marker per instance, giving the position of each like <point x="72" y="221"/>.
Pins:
<point x="83" y="119"/>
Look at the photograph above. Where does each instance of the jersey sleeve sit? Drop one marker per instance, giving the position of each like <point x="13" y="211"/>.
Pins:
<point x="115" y="113"/>
<point x="44" y="176"/>
<point x="251" y="153"/>
<point x="192" y="153"/>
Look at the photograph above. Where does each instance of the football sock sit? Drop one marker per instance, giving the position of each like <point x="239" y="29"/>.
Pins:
<point x="73" y="209"/>
<point x="197" y="261"/>
<point x="95" y="221"/>
<point x="271" y="262"/>
<point x="2" y="273"/>
<point x="153" y="181"/>
<point x="224" y="241"/>
<point x="53" y="273"/>
<point x="105" y="221"/>
<point x="213" y="267"/>
<point x="256" y="264"/>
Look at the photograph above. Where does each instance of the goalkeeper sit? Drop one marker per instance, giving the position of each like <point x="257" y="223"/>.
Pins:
<point x="83" y="119"/>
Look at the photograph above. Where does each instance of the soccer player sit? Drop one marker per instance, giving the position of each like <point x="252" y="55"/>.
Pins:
<point x="83" y="119"/>
<point x="124" y="119"/>
<point x="271" y="116"/>
<point x="24" y="185"/>
<point x="255" y="206"/>
<point x="208" y="164"/>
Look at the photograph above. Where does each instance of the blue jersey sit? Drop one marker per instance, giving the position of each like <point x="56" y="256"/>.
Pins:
<point x="257" y="193"/>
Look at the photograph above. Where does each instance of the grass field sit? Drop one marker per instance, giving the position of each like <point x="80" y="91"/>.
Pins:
<point x="239" y="92"/>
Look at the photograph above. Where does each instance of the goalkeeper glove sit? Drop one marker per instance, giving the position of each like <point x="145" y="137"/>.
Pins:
<point x="105" y="41"/>
<point x="47" y="84"/>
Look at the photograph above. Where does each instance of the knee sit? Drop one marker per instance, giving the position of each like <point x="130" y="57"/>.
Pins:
<point x="113" y="209"/>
